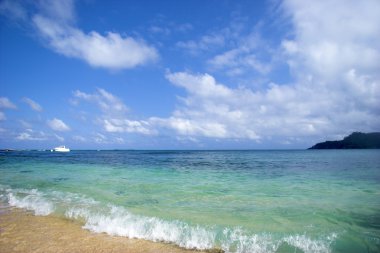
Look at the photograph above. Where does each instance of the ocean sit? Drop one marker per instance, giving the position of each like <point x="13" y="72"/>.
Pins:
<point x="237" y="201"/>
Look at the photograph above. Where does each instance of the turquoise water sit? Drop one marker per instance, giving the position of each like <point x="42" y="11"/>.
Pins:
<point x="239" y="201"/>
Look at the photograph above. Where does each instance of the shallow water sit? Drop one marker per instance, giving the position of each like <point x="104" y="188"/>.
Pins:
<point x="240" y="201"/>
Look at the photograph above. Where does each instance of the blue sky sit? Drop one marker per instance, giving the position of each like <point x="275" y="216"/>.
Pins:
<point x="187" y="74"/>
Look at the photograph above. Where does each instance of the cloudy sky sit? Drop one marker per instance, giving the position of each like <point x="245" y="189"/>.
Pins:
<point x="189" y="74"/>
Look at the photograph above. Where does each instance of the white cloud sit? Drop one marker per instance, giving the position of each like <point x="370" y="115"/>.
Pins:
<point x="60" y="10"/>
<point x="33" y="104"/>
<point x="342" y="59"/>
<point x="6" y="103"/>
<point x="187" y="139"/>
<point x="193" y="127"/>
<point x="25" y="136"/>
<point x="206" y="42"/>
<point x="184" y="27"/>
<point x="249" y="53"/>
<point x="199" y="85"/>
<point x="106" y="101"/>
<point x="25" y="124"/>
<point x="347" y="38"/>
<point x="58" y="125"/>
<point x="79" y="138"/>
<point x="159" y="30"/>
<point x="54" y="22"/>
<point x="112" y="51"/>
<point x="13" y="9"/>
<point x="115" y="125"/>
<point x="119" y="140"/>
<point x="2" y="116"/>
<point x="60" y="138"/>
<point x="240" y="59"/>
<point x="100" y="138"/>
<point x="114" y="118"/>
<point x="212" y="109"/>
<point x="238" y="51"/>
<point x="336" y="86"/>
<point x="334" y="60"/>
<point x="30" y="135"/>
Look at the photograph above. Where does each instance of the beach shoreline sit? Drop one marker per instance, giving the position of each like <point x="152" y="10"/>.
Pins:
<point x="22" y="231"/>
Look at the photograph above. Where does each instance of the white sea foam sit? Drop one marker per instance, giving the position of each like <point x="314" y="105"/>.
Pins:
<point x="44" y="203"/>
<point x="31" y="200"/>
<point x="115" y="220"/>
<point x="308" y="245"/>
<point x="122" y="223"/>
<point x="236" y="240"/>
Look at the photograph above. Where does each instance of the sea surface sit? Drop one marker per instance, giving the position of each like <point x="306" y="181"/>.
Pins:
<point x="237" y="201"/>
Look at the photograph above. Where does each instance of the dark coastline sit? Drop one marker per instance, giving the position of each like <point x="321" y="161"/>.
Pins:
<point x="355" y="140"/>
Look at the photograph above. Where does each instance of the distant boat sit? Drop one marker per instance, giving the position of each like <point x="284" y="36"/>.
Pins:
<point x="60" y="149"/>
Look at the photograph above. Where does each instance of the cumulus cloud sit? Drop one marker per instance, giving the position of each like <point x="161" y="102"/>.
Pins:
<point x="235" y="49"/>
<point x="114" y="118"/>
<point x="193" y="127"/>
<point x="239" y="61"/>
<point x="58" y="125"/>
<point x="111" y="51"/>
<point x="199" y="85"/>
<point x="33" y="104"/>
<point x="246" y="56"/>
<point x="343" y="60"/>
<point x="54" y="22"/>
<point x="212" y="109"/>
<point x="335" y="87"/>
<point x="30" y="135"/>
<point x="26" y="136"/>
<point x="106" y="101"/>
<point x="347" y="38"/>
<point x="6" y="103"/>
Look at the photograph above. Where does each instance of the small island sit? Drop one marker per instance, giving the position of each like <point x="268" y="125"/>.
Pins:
<point x="355" y="140"/>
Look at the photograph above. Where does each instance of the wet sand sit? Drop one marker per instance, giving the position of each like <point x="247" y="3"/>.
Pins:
<point x="21" y="231"/>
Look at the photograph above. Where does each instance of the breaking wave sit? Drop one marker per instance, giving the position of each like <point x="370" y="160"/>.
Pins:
<point x="116" y="220"/>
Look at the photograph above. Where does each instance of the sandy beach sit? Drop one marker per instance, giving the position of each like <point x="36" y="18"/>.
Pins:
<point x="21" y="231"/>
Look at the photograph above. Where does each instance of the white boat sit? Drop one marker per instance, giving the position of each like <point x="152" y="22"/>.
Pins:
<point x="60" y="149"/>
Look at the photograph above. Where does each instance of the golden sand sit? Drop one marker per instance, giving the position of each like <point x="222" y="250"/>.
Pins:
<point x="21" y="231"/>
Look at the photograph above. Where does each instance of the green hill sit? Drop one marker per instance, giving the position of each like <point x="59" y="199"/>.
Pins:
<point x="355" y="140"/>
